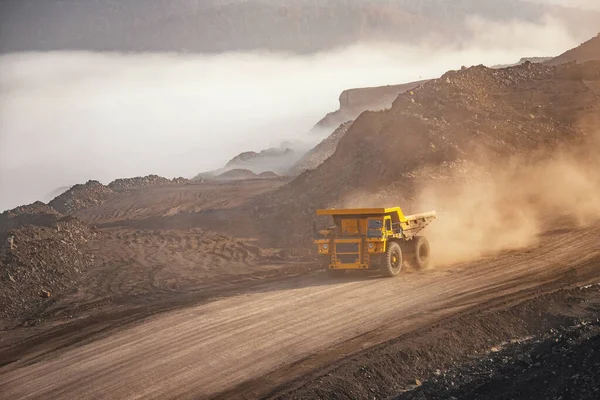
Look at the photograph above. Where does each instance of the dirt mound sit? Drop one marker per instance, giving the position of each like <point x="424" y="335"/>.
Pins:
<point x="120" y="185"/>
<point x="272" y="159"/>
<point x="268" y="175"/>
<point x="237" y="173"/>
<point x="81" y="196"/>
<point x="179" y="206"/>
<point x="355" y="101"/>
<point x="477" y="115"/>
<point x="588" y="51"/>
<point x="275" y="159"/>
<point x="34" y="208"/>
<point x="93" y="193"/>
<point x="36" y="213"/>
<point x="44" y="262"/>
<point x="249" y="157"/>
<point x="320" y="152"/>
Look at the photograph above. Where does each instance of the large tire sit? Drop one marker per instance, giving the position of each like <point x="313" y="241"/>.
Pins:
<point x="420" y="252"/>
<point x="392" y="263"/>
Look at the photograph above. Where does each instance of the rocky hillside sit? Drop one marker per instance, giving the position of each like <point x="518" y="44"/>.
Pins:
<point x="355" y="101"/>
<point x="277" y="25"/>
<point x="587" y="51"/>
<point x="320" y="152"/>
<point x="478" y="115"/>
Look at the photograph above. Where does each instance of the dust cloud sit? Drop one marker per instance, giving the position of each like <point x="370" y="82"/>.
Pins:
<point x="507" y="207"/>
<point x="66" y="117"/>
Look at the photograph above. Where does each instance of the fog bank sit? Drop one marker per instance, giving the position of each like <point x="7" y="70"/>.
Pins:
<point x="66" y="117"/>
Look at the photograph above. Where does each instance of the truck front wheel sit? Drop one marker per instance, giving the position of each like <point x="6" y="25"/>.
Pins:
<point x="392" y="264"/>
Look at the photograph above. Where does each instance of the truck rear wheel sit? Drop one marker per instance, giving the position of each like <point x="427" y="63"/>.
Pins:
<point x="392" y="264"/>
<point x="420" y="252"/>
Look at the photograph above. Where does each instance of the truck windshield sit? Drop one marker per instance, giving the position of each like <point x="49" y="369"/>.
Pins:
<point x="374" y="228"/>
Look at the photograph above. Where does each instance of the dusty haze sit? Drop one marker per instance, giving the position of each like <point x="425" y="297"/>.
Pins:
<point x="69" y="117"/>
<point x="510" y="207"/>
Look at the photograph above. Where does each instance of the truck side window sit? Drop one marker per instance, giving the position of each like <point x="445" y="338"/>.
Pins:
<point x="388" y="225"/>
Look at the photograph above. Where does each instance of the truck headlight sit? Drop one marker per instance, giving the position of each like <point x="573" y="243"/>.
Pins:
<point x="371" y="245"/>
<point x="325" y="246"/>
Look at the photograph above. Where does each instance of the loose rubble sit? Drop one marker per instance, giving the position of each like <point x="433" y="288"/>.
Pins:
<point x="37" y="213"/>
<point x="44" y="261"/>
<point x="120" y="185"/>
<point x="94" y="193"/>
<point x="81" y="196"/>
<point x="235" y="174"/>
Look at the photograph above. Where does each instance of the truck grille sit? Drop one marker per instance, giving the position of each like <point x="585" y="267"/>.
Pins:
<point x="348" y="258"/>
<point x="346" y="247"/>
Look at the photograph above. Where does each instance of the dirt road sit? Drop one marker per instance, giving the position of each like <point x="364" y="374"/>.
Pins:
<point x="293" y="326"/>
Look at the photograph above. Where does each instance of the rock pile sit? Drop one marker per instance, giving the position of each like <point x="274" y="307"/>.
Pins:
<point x="237" y="174"/>
<point x="275" y="159"/>
<point x="44" y="261"/>
<point x="81" y="196"/>
<point x="267" y="175"/>
<point x="36" y="213"/>
<point x="120" y="185"/>
<point x="94" y="193"/>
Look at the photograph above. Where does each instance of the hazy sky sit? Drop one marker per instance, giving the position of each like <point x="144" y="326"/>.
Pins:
<point x="69" y="117"/>
<point x="588" y="4"/>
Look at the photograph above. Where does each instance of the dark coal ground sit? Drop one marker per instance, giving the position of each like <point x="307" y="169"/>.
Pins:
<point x="560" y="365"/>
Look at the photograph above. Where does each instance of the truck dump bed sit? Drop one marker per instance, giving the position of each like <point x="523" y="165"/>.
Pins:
<point x="416" y="222"/>
<point x="410" y="224"/>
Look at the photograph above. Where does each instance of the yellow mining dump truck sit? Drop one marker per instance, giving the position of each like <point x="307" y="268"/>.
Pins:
<point x="373" y="239"/>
